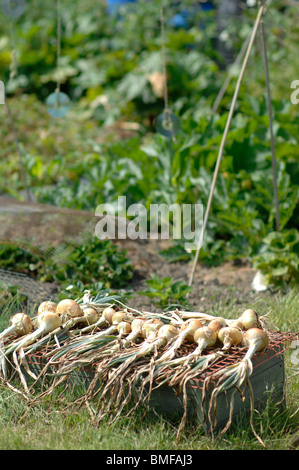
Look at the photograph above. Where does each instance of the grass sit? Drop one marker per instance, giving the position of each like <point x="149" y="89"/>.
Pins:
<point x="46" y="427"/>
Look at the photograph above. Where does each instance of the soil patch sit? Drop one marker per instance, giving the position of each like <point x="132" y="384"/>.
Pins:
<point x="42" y="226"/>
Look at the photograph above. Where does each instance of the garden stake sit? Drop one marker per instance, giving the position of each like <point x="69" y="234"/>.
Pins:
<point x="230" y="115"/>
<point x="267" y="79"/>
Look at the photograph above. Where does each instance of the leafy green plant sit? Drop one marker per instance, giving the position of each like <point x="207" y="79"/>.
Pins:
<point x="278" y="259"/>
<point x="166" y="292"/>
<point x="92" y="262"/>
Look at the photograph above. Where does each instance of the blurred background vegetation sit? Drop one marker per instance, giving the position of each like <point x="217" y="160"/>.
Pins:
<point x="107" y="145"/>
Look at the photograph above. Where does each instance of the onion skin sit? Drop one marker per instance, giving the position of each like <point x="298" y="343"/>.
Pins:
<point x="117" y="317"/>
<point x="190" y="326"/>
<point x="69" y="308"/>
<point x="187" y="330"/>
<point x="168" y="332"/>
<point x="48" y="306"/>
<point x="217" y="324"/>
<point x="250" y="319"/>
<point x="90" y="316"/>
<point x="230" y="336"/>
<point x="49" y="321"/>
<point x="256" y="340"/>
<point x="136" y="327"/>
<point x="108" y="313"/>
<point x="124" y="328"/>
<point x="165" y="334"/>
<point x="205" y="337"/>
<point x="237" y="324"/>
<point x="150" y="327"/>
<point x="20" y="324"/>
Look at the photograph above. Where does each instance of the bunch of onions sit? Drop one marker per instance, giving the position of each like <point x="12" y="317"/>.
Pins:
<point x="248" y="319"/>
<point x="114" y="320"/>
<point x="47" y="322"/>
<point x="104" y="320"/>
<point x="165" y="334"/>
<point x="83" y="344"/>
<point x="20" y="325"/>
<point x="187" y="331"/>
<point x="205" y="337"/>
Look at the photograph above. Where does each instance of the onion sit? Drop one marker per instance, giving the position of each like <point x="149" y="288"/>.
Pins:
<point x="47" y="322"/>
<point x="105" y="318"/>
<point x="217" y="324"/>
<point x="205" y="337"/>
<point x="119" y="316"/>
<point x="47" y="306"/>
<point x="108" y="313"/>
<point x="90" y="316"/>
<point x="230" y="336"/>
<point x="187" y="331"/>
<point x="68" y="309"/>
<point x="114" y="385"/>
<point x="114" y="319"/>
<point x="150" y="327"/>
<point x="256" y="340"/>
<point x="250" y="319"/>
<point x="124" y="328"/>
<point x="165" y="334"/>
<point x="137" y="332"/>
<point x="20" y="324"/>
<point x="237" y="324"/>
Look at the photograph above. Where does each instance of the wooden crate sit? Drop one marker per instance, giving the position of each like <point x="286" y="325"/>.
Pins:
<point x="267" y="381"/>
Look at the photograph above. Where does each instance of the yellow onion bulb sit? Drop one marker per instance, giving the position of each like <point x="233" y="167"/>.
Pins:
<point x="205" y="337"/>
<point x="192" y="324"/>
<point x="217" y="324"/>
<point x="117" y="317"/>
<point x="124" y="328"/>
<point x="48" y="306"/>
<point x="230" y="336"/>
<point x="256" y="337"/>
<point x="49" y="321"/>
<point x="20" y="324"/>
<point x="108" y="313"/>
<point x="90" y="316"/>
<point x="150" y="327"/>
<point x="68" y="308"/>
<point x="137" y="325"/>
<point x="250" y="319"/>
<point x="168" y="332"/>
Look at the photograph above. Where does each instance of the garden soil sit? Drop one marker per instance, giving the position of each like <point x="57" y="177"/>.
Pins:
<point x="43" y="226"/>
